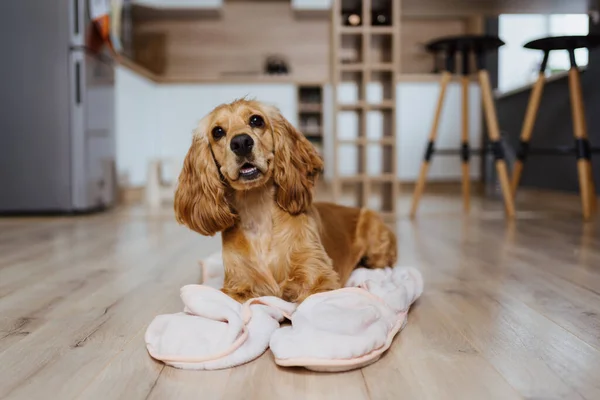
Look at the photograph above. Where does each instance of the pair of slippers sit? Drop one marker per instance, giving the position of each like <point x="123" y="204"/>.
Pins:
<point x="338" y="330"/>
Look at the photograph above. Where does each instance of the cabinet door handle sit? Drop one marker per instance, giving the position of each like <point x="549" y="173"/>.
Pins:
<point x="76" y="16"/>
<point x="77" y="83"/>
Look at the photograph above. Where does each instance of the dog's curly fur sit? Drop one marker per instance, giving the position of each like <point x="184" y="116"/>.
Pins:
<point x="276" y="241"/>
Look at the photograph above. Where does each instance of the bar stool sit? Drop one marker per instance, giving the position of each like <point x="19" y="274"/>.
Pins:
<point x="466" y="45"/>
<point x="582" y="150"/>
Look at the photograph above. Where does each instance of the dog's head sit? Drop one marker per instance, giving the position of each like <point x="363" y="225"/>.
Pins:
<point x="241" y="146"/>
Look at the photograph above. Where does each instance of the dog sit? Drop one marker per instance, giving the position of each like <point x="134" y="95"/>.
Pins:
<point x="250" y="175"/>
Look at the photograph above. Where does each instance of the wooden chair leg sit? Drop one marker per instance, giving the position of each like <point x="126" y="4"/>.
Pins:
<point x="466" y="170"/>
<point x="527" y="130"/>
<point x="584" y="168"/>
<point x="494" y="135"/>
<point x="420" y="186"/>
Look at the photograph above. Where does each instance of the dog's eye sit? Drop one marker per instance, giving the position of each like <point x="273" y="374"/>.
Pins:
<point x="256" y="121"/>
<point x="218" y="132"/>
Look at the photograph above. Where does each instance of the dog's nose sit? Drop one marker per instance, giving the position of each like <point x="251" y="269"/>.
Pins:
<point x="242" y="145"/>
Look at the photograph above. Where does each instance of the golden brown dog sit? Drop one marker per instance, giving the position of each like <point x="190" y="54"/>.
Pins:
<point x="250" y="175"/>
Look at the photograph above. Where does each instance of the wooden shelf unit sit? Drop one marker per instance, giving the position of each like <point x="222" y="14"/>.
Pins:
<point x="374" y="69"/>
<point x="310" y="113"/>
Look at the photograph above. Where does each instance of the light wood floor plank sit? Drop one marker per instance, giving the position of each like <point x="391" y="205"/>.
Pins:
<point x="96" y="337"/>
<point x="40" y="296"/>
<point x="255" y="381"/>
<point x="538" y="358"/>
<point x="189" y="385"/>
<point x="509" y="311"/>
<point x="134" y="360"/>
<point x="432" y="360"/>
<point x="75" y="250"/>
<point x="526" y="347"/>
<point x="573" y="307"/>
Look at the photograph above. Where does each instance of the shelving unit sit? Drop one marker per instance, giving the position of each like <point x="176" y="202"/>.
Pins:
<point x="310" y="113"/>
<point x="365" y="68"/>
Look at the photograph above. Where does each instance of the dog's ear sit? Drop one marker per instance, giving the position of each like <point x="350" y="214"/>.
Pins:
<point x="200" y="202"/>
<point x="296" y="165"/>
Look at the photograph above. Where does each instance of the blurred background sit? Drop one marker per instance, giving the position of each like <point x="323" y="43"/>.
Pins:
<point x="100" y="97"/>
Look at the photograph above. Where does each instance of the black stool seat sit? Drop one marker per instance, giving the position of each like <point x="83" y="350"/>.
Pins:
<point x="564" y="43"/>
<point x="473" y="43"/>
<point x="467" y="45"/>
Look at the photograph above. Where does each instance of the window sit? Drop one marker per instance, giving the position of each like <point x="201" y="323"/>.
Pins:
<point x="519" y="66"/>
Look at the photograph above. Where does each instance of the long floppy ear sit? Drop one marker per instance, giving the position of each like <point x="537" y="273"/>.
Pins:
<point x="296" y="165"/>
<point x="200" y="202"/>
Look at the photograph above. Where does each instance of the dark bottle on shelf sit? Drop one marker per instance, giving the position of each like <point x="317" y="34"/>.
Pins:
<point x="381" y="17"/>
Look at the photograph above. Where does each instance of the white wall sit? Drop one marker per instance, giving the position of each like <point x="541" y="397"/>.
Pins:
<point x="158" y="120"/>
<point x="136" y="122"/>
<point x="180" y="108"/>
<point x="416" y="107"/>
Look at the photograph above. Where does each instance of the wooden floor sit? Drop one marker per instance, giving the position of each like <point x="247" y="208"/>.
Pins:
<point x="509" y="310"/>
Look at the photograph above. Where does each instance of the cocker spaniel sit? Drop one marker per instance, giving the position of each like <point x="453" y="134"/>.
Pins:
<point x="250" y="175"/>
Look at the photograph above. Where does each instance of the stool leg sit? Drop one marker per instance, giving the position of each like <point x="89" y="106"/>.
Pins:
<point x="584" y="167"/>
<point x="527" y="130"/>
<point x="494" y="135"/>
<point x="466" y="171"/>
<point x="420" y="186"/>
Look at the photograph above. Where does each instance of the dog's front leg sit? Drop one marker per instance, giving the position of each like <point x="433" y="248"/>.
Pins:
<point x="243" y="280"/>
<point x="310" y="271"/>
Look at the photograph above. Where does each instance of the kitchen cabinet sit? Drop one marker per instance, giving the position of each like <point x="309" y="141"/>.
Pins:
<point x="181" y="4"/>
